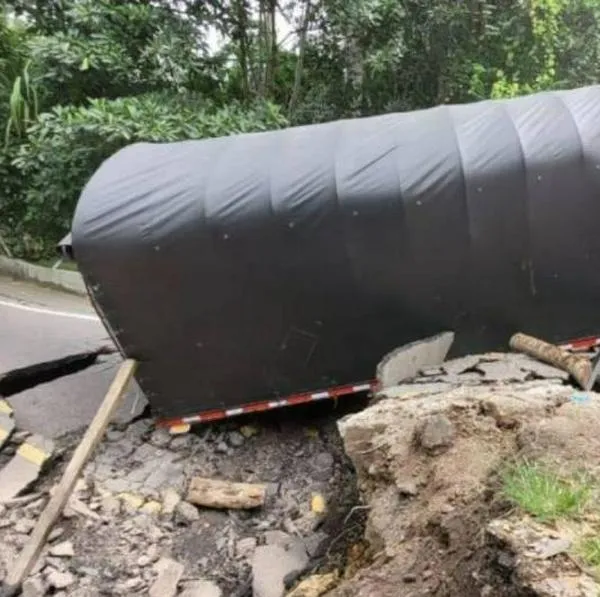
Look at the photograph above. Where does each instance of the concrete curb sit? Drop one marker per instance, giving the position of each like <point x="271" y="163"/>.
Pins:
<point x="58" y="278"/>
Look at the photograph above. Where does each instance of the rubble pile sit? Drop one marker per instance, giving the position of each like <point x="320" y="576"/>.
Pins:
<point x="129" y="528"/>
<point x="429" y="456"/>
<point x="403" y="498"/>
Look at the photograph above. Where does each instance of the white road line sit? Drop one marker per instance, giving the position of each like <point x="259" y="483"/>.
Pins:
<point x="44" y="311"/>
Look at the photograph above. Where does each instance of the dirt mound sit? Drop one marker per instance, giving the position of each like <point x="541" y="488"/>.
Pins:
<point x="436" y="462"/>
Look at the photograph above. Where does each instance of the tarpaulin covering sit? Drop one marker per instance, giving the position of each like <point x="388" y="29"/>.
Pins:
<point x="259" y="265"/>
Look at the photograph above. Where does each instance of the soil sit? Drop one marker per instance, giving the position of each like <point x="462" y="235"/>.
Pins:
<point x="429" y="464"/>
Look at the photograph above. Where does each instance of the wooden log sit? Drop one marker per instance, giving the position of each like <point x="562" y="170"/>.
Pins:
<point x="212" y="493"/>
<point x="31" y="552"/>
<point x="579" y="367"/>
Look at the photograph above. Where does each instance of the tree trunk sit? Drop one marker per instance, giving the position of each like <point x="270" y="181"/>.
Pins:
<point x="295" y="95"/>
<point x="240" y="35"/>
<point x="272" y="48"/>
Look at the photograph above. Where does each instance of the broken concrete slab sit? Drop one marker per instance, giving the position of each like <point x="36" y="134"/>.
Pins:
<point x="201" y="588"/>
<point x="458" y="366"/>
<point x="62" y="550"/>
<point x="408" y="390"/>
<point x="542" y="369"/>
<point x="25" y="467"/>
<point x="405" y="362"/>
<point x="7" y="426"/>
<point x="69" y="403"/>
<point x="272" y="565"/>
<point x="502" y="371"/>
<point x="50" y="326"/>
<point x="59" y="580"/>
<point x="33" y="587"/>
<point x="16" y="381"/>
<point x="156" y="470"/>
<point x="169" y="575"/>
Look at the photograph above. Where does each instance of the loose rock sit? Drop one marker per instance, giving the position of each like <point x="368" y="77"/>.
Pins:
<point x="408" y="488"/>
<point x="55" y="534"/>
<point x="323" y="464"/>
<point x="236" y="439"/>
<point x="63" y="550"/>
<point x="271" y="565"/>
<point x="60" y="580"/>
<point x="170" y="573"/>
<point x="33" y="587"/>
<point x="114" y="435"/>
<point x="245" y="547"/>
<point x="186" y="513"/>
<point x="24" y="526"/>
<point x="248" y="431"/>
<point x="133" y="583"/>
<point x="110" y="505"/>
<point x="160" y="438"/>
<point x="437" y="434"/>
<point x="181" y="442"/>
<point x="315" y="544"/>
<point x="171" y="499"/>
<point x="201" y="588"/>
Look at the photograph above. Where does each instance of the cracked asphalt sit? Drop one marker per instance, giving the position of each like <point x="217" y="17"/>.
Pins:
<point x="40" y="324"/>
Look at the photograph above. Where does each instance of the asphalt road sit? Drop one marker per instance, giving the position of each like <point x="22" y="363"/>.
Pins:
<point x="38" y="324"/>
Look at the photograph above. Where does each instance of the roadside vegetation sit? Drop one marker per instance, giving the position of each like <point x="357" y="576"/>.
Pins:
<point x="567" y="502"/>
<point x="81" y="78"/>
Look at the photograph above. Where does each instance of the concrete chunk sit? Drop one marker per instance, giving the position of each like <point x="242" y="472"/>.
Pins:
<point x="271" y="565"/>
<point x="201" y="588"/>
<point x="25" y="467"/>
<point x="7" y="426"/>
<point x="407" y="361"/>
<point x="170" y="573"/>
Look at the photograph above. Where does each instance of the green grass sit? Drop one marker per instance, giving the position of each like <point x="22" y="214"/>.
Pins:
<point x="589" y="551"/>
<point x="544" y="494"/>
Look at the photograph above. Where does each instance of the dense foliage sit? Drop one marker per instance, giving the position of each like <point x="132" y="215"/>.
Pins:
<point x="81" y="78"/>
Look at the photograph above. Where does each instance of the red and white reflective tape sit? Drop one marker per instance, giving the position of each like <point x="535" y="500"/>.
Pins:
<point x="582" y="344"/>
<point x="209" y="416"/>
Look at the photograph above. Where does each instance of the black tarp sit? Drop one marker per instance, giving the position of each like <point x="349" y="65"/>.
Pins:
<point x="259" y="265"/>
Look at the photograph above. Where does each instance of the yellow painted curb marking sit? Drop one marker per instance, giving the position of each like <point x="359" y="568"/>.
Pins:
<point x="5" y="407"/>
<point x="318" y="504"/>
<point x="33" y="454"/>
<point x="132" y="500"/>
<point x="179" y="429"/>
<point x="152" y="507"/>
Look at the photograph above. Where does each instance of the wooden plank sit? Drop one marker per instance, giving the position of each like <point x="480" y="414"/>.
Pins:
<point x="212" y="493"/>
<point x="57" y="502"/>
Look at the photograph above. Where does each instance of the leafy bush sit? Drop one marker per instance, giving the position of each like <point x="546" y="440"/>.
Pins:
<point x="67" y="144"/>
